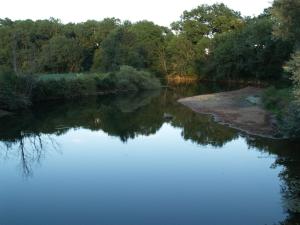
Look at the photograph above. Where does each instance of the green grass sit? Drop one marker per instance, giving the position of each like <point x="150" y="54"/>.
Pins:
<point x="71" y="85"/>
<point x="59" y="76"/>
<point x="19" y="92"/>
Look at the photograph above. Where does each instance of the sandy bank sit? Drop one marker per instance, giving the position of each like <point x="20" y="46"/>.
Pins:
<point x="241" y="109"/>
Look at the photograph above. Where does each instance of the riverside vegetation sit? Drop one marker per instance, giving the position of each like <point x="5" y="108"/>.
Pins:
<point x="45" y="59"/>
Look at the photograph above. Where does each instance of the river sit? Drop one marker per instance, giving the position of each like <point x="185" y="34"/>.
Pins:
<point x="142" y="159"/>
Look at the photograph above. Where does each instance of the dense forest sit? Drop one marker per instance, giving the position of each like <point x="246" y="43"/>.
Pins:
<point x="46" y="59"/>
<point x="212" y="42"/>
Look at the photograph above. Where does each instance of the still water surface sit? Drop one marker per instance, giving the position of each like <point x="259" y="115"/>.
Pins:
<point x="116" y="160"/>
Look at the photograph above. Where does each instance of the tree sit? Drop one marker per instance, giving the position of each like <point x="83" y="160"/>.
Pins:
<point x="287" y="14"/>
<point x="207" y="21"/>
<point x="181" y="56"/>
<point x="22" y="41"/>
<point x="90" y="36"/>
<point x="196" y="31"/>
<point x="151" y="41"/>
<point x="119" y="49"/>
<point x="61" y="54"/>
<point x="249" y="53"/>
<point x="294" y="69"/>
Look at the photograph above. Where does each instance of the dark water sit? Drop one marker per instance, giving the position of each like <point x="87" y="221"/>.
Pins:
<point x="116" y="160"/>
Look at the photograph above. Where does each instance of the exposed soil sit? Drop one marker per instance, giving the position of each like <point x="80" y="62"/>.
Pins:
<point x="241" y="109"/>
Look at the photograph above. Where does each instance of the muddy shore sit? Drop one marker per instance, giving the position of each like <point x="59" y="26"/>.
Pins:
<point x="241" y="109"/>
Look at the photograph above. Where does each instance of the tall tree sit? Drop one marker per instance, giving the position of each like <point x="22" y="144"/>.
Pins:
<point x="61" y="54"/>
<point x="287" y="14"/>
<point x="249" y="53"/>
<point x="181" y="56"/>
<point x="207" y="21"/>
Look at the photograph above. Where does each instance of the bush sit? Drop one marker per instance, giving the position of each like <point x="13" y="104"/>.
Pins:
<point x="128" y="78"/>
<point x="290" y="122"/>
<point x="63" y="88"/>
<point x="283" y="103"/>
<point x="276" y="100"/>
<point x="15" y="92"/>
<point x="293" y="67"/>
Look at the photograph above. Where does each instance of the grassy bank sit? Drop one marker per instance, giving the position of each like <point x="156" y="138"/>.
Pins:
<point x="21" y="92"/>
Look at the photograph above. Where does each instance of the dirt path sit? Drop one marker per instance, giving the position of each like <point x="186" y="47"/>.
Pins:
<point x="241" y="109"/>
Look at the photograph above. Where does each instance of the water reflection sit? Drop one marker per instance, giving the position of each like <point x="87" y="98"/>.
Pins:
<point x="28" y="149"/>
<point x="29" y="137"/>
<point x="125" y="117"/>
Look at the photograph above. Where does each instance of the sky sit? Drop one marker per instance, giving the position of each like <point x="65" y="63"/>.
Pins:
<point x="162" y="12"/>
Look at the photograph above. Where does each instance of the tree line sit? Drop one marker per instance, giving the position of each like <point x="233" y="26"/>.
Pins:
<point x="211" y="41"/>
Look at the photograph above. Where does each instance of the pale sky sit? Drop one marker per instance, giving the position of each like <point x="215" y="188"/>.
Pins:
<point x="162" y="12"/>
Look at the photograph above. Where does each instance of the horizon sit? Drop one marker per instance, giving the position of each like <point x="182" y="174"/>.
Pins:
<point x="79" y="11"/>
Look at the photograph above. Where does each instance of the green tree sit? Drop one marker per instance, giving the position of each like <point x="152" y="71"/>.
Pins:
<point x="119" y="49"/>
<point x="249" y="53"/>
<point x="22" y="41"/>
<point x="287" y="14"/>
<point x="90" y="36"/>
<point x="207" y="21"/>
<point x="61" y="54"/>
<point x="181" y="56"/>
<point x="294" y="69"/>
<point x="196" y="31"/>
<point x="151" y="41"/>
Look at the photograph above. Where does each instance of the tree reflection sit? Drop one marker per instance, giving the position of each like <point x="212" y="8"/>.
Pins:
<point x="29" y="149"/>
<point x="27" y="136"/>
<point x="288" y="157"/>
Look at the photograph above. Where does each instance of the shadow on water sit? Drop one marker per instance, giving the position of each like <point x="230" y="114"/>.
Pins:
<point x="30" y="136"/>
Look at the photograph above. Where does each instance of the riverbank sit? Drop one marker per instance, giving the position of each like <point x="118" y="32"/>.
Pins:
<point x="41" y="88"/>
<point x="4" y="113"/>
<point x="241" y="109"/>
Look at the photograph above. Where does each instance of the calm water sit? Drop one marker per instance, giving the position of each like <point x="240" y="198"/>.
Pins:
<point x="116" y="160"/>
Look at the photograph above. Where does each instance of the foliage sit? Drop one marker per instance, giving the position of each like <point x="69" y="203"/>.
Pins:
<point x="141" y="45"/>
<point x="63" y="88"/>
<point x="181" y="56"/>
<point x="128" y="78"/>
<point x="276" y="100"/>
<point x="249" y="53"/>
<point x="287" y="14"/>
<point x="283" y="104"/>
<point x="211" y="41"/>
<point x="195" y="32"/>
<point x="207" y="20"/>
<point x="58" y="76"/>
<point x="14" y="91"/>
<point x="61" y="54"/>
<point x="290" y="123"/>
<point x="69" y="86"/>
<point x="293" y="67"/>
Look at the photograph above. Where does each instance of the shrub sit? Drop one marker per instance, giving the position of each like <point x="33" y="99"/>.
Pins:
<point x="15" y="91"/>
<point x="283" y="103"/>
<point x="293" y="67"/>
<point x="128" y="78"/>
<point x="63" y="88"/>
<point x="290" y="122"/>
<point x="276" y="100"/>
